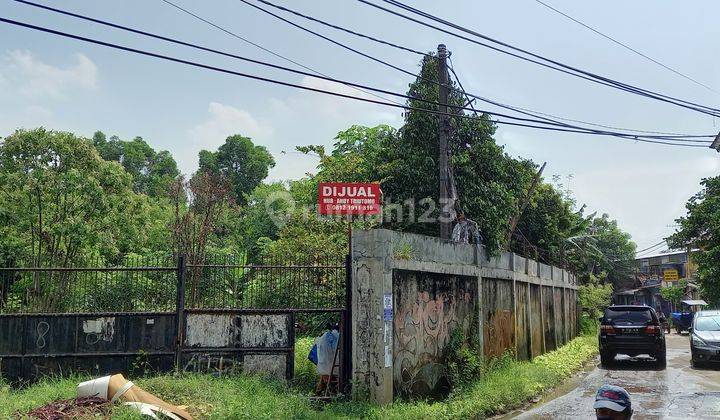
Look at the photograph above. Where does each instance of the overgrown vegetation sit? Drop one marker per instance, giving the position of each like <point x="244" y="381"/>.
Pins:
<point x="505" y="385"/>
<point x="594" y="298"/>
<point x="66" y="200"/>
<point x="699" y="229"/>
<point x="674" y="293"/>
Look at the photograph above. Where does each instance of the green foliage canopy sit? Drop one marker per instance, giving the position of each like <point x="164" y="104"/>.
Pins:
<point x="700" y="228"/>
<point x="61" y="201"/>
<point x="243" y="163"/>
<point x="152" y="172"/>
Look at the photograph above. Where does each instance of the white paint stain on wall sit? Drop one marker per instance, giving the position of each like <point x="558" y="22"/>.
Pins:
<point x="99" y="329"/>
<point x="264" y="331"/>
<point x="209" y="330"/>
<point x="270" y="365"/>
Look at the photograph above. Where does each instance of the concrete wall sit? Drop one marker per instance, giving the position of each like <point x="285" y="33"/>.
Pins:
<point x="516" y="302"/>
<point x="428" y="308"/>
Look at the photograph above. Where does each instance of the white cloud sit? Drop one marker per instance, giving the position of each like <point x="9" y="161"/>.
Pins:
<point x="224" y="121"/>
<point x="336" y="107"/>
<point x="645" y="197"/>
<point x="36" y="79"/>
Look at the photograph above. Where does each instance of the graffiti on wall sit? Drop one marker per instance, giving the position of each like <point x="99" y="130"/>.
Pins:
<point x="428" y="309"/>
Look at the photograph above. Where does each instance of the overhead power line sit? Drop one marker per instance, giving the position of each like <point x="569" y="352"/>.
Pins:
<point x="621" y="85"/>
<point x="360" y="87"/>
<point x="340" y="28"/>
<point x="347" y="83"/>
<point x="650" y="247"/>
<point x="307" y="88"/>
<point x="540" y="60"/>
<point x="231" y="33"/>
<point x="523" y="111"/>
<point x="554" y="118"/>
<point x="673" y="136"/>
<point x="627" y="47"/>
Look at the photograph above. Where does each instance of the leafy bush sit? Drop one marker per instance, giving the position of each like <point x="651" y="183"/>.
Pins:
<point x="464" y="361"/>
<point x="588" y="325"/>
<point x="594" y="298"/>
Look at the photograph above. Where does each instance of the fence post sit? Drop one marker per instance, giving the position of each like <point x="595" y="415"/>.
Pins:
<point x="346" y="374"/>
<point x="543" y="350"/>
<point x="180" y="316"/>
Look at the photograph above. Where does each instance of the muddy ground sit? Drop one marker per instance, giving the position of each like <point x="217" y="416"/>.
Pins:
<point x="677" y="392"/>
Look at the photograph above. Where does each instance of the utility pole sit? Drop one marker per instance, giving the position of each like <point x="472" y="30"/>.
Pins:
<point x="445" y="221"/>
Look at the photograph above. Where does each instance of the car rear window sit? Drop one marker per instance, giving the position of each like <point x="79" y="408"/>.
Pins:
<point x="628" y="316"/>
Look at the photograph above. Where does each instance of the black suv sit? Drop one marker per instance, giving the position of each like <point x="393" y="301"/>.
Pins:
<point x="631" y="330"/>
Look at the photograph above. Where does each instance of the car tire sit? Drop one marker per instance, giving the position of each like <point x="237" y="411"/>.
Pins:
<point x="606" y="359"/>
<point x="661" y="360"/>
<point x="695" y="364"/>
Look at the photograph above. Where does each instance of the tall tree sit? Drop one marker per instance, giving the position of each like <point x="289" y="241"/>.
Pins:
<point x="152" y="171"/>
<point x="700" y="228"/>
<point x="243" y="163"/>
<point x="61" y="202"/>
<point x="489" y="182"/>
<point x="199" y="205"/>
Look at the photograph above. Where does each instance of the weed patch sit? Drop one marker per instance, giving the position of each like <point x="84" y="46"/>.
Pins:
<point x="505" y="384"/>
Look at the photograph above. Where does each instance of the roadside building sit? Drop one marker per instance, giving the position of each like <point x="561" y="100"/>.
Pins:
<point x="655" y="271"/>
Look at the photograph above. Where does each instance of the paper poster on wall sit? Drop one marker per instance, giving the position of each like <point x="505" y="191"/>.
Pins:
<point x="388" y="357"/>
<point x="388" y="307"/>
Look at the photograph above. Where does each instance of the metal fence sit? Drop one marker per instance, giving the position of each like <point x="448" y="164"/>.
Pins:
<point x="145" y="284"/>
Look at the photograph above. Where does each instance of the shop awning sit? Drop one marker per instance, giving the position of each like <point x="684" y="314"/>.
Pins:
<point x="695" y="302"/>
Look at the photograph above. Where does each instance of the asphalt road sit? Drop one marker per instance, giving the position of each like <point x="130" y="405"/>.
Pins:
<point x="679" y="391"/>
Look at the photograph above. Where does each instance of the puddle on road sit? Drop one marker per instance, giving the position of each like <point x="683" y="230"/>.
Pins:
<point x="679" y="391"/>
<point x="638" y="389"/>
<point x="568" y="385"/>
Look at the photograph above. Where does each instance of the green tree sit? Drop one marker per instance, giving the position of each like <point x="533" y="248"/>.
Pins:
<point x="601" y="248"/>
<point x="545" y="225"/>
<point x="489" y="182"/>
<point x="674" y="294"/>
<point x="491" y="186"/>
<point x="152" y="171"/>
<point x="594" y="297"/>
<point x="263" y="216"/>
<point x="700" y="228"/>
<point x="65" y="201"/>
<point x="244" y="164"/>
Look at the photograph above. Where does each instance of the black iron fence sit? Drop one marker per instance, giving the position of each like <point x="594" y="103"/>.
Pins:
<point x="151" y="284"/>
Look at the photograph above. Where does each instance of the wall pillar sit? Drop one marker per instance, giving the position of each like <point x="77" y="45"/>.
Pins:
<point x="372" y="343"/>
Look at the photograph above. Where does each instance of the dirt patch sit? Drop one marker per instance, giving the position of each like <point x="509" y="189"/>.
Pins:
<point x="70" y="409"/>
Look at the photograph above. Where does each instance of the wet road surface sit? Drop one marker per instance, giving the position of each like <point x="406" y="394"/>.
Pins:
<point x="679" y="391"/>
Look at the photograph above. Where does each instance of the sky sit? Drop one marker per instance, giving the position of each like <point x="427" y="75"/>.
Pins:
<point x="69" y="85"/>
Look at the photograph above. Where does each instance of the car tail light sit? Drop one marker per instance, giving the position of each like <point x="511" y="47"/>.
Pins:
<point x="607" y="329"/>
<point x="652" y="329"/>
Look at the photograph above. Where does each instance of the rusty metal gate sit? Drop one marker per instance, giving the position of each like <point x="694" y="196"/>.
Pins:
<point x="219" y="316"/>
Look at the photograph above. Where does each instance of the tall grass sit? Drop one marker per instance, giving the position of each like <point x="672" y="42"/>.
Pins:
<point x="507" y="385"/>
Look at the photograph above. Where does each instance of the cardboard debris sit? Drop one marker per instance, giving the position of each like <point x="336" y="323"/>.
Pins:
<point x="116" y="388"/>
<point x="69" y="409"/>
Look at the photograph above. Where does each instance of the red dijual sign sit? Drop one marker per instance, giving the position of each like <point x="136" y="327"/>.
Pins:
<point x="348" y="198"/>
